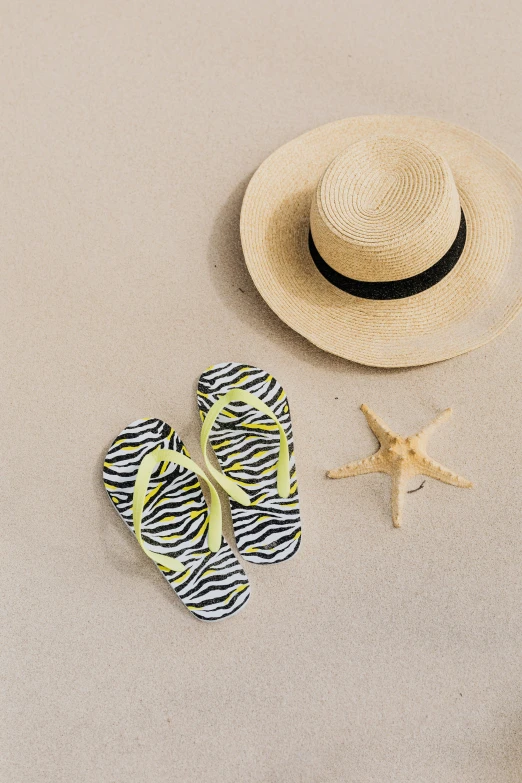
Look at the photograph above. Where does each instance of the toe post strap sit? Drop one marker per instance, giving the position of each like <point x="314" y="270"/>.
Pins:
<point x="147" y="467"/>
<point x="283" y="462"/>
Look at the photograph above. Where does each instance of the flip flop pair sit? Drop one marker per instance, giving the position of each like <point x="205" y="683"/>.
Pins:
<point x="155" y="487"/>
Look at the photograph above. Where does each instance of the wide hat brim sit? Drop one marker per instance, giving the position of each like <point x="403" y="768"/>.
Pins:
<point x="473" y="304"/>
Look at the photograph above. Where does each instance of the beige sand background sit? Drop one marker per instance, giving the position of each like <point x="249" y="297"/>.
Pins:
<point x="129" y="131"/>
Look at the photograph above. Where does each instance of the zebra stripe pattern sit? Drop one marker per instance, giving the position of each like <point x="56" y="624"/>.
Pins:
<point x="246" y="443"/>
<point x="175" y="521"/>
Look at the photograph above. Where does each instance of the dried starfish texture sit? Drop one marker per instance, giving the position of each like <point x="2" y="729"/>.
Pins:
<point x="402" y="458"/>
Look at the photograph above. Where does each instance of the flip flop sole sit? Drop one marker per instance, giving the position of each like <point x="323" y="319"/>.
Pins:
<point x="175" y="521"/>
<point x="246" y="444"/>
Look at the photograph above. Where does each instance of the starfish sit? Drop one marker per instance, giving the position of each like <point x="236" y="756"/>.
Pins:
<point x="402" y="458"/>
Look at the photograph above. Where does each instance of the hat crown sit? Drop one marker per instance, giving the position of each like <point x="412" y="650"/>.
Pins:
<point x="385" y="209"/>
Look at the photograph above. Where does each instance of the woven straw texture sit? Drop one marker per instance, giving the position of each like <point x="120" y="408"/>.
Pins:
<point x="382" y="196"/>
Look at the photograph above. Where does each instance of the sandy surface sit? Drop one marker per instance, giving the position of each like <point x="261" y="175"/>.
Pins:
<point x="129" y="132"/>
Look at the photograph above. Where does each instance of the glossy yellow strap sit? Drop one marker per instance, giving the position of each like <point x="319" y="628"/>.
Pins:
<point x="283" y="461"/>
<point x="145" y="471"/>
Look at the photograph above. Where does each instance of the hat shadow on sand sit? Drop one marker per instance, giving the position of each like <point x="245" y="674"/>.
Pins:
<point x="236" y="290"/>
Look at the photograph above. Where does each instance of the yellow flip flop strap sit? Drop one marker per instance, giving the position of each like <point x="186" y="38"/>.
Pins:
<point x="145" y="471"/>
<point x="283" y="461"/>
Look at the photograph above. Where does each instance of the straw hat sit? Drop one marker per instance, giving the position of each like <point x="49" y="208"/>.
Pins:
<point x="390" y="241"/>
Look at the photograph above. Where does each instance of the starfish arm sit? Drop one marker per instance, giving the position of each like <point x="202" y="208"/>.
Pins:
<point x="426" y="431"/>
<point x="377" y="426"/>
<point x="435" y="470"/>
<point x="399" y="482"/>
<point x="372" y="464"/>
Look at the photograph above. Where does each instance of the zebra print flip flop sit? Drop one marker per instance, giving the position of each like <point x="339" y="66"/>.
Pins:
<point x="154" y="487"/>
<point x="246" y="418"/>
